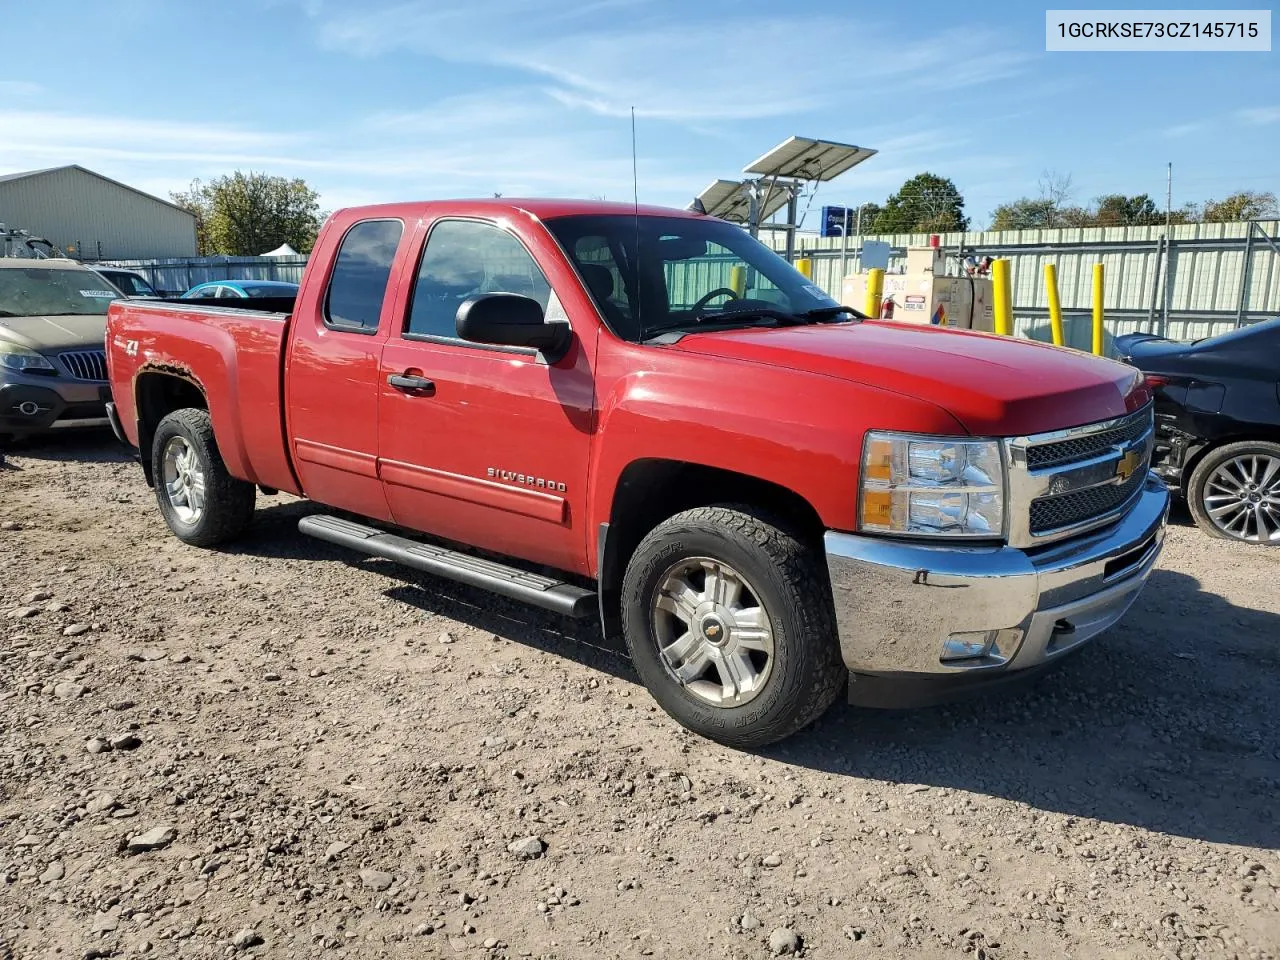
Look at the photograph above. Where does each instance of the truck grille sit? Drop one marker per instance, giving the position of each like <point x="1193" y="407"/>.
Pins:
<point x="1076" y="449"/>
<point x="1070" y="481"/>
<point x="1053" y="513"/>
<point x="86" y="364"/>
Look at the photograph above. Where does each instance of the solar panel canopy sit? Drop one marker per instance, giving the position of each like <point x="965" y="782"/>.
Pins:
<point x="804" y="158"/>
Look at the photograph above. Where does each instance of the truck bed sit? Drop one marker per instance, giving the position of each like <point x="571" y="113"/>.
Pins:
<point x="235" y="354"/>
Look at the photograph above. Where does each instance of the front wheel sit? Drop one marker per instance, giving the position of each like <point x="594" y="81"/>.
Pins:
<point x="730" y="625"/>
<point x="1234" y="492"/>
<point x="200" y="501"/>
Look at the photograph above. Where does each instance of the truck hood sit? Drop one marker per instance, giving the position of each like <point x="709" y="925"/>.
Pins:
<point x="995" y="386"/>
<point x="55" y="333"/>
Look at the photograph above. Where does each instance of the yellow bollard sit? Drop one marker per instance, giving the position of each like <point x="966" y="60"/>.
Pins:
<point x="1002" y="294"/>
<point x="738" y="280"/>
<point x="1097" y="309"/>
<point x="1055" y="305"/>
<point x="805" y="266"/>
<point x="875" y="291"/>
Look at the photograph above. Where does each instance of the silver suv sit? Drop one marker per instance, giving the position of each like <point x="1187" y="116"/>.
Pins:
<point x="53" y="369"/>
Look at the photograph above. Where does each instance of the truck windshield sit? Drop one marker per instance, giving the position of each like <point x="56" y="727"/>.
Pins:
<point x="654" y="275"/>
<point x="51" y="292"/>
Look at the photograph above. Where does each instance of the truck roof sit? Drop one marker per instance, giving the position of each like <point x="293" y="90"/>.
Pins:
<point x="541" y="208"/>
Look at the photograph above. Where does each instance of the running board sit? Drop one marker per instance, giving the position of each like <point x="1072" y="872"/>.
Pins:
<point x="532" y="588"/>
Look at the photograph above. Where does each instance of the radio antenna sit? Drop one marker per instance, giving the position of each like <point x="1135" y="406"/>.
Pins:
<point x="635" y="194"/>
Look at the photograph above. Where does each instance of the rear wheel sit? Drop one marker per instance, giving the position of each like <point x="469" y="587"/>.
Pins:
<point x="200" y="501"/>
<point x="730" y="625"/>
<point x="1234" y="492"/>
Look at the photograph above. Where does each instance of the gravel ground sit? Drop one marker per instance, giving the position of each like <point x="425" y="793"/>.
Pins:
<point x="284" y="750"/>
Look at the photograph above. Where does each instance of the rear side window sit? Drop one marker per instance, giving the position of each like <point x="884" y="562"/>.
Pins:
<point x="359" y="281"/>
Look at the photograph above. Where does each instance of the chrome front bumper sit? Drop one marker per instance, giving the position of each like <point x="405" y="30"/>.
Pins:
<point x="898" y="602"/>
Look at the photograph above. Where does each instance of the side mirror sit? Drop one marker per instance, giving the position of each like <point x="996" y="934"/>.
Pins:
<point x="511" y="320"/>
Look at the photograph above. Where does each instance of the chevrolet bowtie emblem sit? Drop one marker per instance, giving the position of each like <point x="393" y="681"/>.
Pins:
<point x="713" y="631"/>
<point x="1128" y="464"/>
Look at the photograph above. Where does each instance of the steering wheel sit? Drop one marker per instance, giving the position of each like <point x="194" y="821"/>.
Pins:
<point x="717" y="292"/>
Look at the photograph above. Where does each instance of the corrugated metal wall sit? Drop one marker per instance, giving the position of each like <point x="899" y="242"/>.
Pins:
<point x="101" y="218"/>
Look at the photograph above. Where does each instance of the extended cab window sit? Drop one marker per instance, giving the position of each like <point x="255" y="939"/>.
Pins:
<point x="464" y="258"/>
<point x="359" y="280"/>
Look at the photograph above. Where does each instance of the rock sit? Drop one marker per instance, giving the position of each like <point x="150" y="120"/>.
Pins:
<point x="490" y="942"/>
<point x="30" y="840"/>
<point x="246" y="938"/>
<point x="67" y="690"/>
<point x="376" y="879"/>
<point x="772" y="860"/>
<point x="57" y="606"/>
<point x="105" y="923"/>
<point x="495" y="741"/>
<point x="22" y="613"/>
<point x="76" y="630"/>
<point x="749" y="922"/>
<point x="783" y="941"/>
<point x="54" y="872"/>
<point x="446" y="638"/>
<point x="103" y="801"/>
<point x="126" y="741"/>
<point x="180" y="658"/>
<point x="38" y="596"/>
<point x="902" y="870"/>
<point x="148" y="655"/>
<point x="527" y="848"/>
<point x="423" y="930"/>
<point x="156" y="838"/>
<point x="97" y="745"/>
<point x="335" y="849"/>
<point x="271" y="676"/>
<point x="10" y="526"/>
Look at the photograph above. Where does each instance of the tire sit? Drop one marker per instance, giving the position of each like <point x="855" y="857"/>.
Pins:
<point x="1223" y="476"/>
<point x="782" y="587"/>
<point x="224" y="510"/>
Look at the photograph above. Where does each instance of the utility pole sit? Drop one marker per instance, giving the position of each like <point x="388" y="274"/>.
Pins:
<point x="1168" y="199"/>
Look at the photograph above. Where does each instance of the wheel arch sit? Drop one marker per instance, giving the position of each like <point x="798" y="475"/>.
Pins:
<point x="1259" y="434"/>
<point x="157" y="393"/>
<point x="652" y="490"/>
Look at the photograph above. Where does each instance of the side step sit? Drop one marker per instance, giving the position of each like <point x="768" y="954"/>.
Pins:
<point x="532" y="588"/>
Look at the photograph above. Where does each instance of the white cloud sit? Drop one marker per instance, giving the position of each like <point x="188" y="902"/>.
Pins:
<point x="693" y="70"/>
<point x="1259" y="116"/>
<point x="1182" y="130"/>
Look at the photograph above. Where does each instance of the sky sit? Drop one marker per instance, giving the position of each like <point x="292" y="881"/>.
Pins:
<point x="383" y="100"/>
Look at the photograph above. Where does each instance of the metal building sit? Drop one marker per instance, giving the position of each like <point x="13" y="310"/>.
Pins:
<point x="92" y="217"/>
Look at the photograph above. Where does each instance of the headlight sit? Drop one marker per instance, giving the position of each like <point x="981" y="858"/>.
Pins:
<point x="931" y="486"/>
<point x="20" y="359"/>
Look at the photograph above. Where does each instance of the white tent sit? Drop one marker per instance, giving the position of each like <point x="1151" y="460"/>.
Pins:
<point x="284" y="250"/>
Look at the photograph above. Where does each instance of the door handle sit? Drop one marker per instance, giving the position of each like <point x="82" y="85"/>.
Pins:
<point x="411" y="384"/>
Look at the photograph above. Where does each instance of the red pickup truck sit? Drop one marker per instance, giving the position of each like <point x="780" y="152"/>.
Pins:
<point x="646" y="415"/>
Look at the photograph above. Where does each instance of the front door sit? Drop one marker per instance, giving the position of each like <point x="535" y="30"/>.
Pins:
<point x="485" y="445"/>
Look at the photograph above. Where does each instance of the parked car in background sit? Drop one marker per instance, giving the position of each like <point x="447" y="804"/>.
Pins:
<point x="129" y="282"/>
<point x="53" y="369"/>
<point x="242" y="289"/>
<point x="1218" y="425"/>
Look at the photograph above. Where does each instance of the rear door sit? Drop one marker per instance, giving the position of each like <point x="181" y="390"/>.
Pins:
<point x="332" y="375"/>
<point x="481" y="444"/>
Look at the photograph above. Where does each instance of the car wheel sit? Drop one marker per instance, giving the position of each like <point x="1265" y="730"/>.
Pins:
<point x="200" y="501"/>
<point x="729" y="622"/>
<point x="1234" y="492"/>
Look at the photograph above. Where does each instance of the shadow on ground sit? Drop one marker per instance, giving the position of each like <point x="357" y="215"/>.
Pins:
<point x="1165" y="723"/>
<point x="79" y="444"/>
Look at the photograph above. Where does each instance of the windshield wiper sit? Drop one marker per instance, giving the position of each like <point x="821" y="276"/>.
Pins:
<point x="713" y="322"/>
<point x="820" y="313"/>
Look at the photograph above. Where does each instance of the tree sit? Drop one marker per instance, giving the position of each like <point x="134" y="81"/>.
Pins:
<point x="193" y="201"/>
<point x="1244" y="205"/>
<point x="1118" y="210"/>
<point x="1048" y="210"/>
<point x="926" y="202"/>
<point x="247" y="214"/>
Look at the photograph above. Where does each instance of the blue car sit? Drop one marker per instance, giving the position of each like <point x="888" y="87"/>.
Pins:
<point x="242" y="289"/>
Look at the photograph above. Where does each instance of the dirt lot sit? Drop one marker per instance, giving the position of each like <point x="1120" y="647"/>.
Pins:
<point x="283" y="750"/>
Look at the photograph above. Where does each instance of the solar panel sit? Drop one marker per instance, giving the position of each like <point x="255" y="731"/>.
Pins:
<point x="730" y="200"/>
<point x="803" y="158"/>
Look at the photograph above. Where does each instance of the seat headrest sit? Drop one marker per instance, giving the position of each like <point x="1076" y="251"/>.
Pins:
<point x="599" y="279"/>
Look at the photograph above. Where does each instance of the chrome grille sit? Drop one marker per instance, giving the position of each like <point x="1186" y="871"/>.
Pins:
<point x="1076" y="449"/>
<point x="1070" y="481"/>
<point x="86" y="364"/>
<point x="1053" y="513"/>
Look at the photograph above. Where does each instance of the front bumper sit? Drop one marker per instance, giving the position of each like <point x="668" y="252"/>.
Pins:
<point x="898" y="602"/>
<point x="33" y="404"/>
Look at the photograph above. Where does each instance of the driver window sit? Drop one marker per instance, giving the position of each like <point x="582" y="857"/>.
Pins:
<point x="464" y="258"/>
